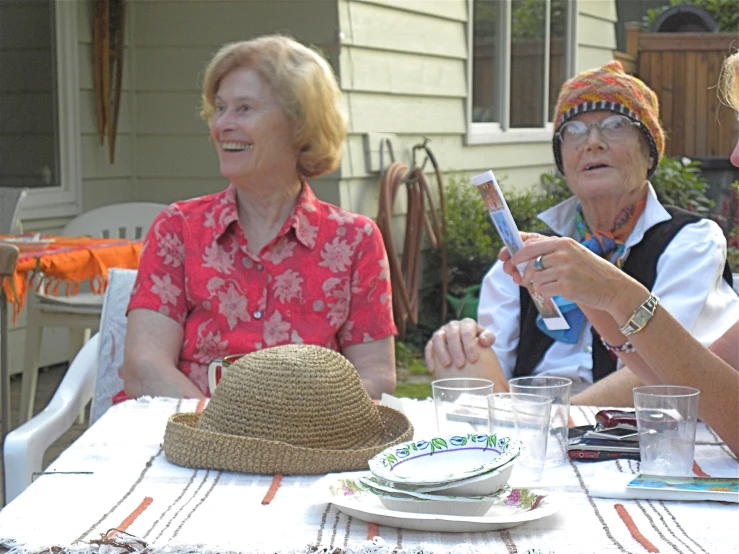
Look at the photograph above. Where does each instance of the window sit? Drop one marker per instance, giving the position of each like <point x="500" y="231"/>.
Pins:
<point x="521" y="51"/>
<point x="39" y="128"/>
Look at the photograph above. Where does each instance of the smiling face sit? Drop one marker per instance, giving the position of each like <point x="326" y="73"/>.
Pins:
<point x="252" y="134"/>
<point x="599" y="168"/>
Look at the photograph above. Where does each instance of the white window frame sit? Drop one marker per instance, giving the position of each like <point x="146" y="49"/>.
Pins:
<point x="499" y="132"/>
<point x="63" y="200"/>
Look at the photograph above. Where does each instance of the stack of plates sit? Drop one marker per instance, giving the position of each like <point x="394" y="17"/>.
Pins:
<point x="461" y="475"/>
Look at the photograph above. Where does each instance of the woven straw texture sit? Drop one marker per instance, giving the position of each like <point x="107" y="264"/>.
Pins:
<point x="290" y="409"/>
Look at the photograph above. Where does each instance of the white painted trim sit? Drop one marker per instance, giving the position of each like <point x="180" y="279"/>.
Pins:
<point x="504" y="63"/>
<point x="64" y="200"/>
<point x="572" y="31"/>
<point x="499" y="132"/>
<point x="493" y="133"/>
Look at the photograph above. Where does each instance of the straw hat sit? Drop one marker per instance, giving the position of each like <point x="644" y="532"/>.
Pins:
<point x="294" y="409"/>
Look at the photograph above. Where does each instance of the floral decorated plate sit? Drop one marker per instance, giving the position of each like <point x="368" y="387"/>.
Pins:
<point x="353" y="499"/>
<point x="442" y="460"/>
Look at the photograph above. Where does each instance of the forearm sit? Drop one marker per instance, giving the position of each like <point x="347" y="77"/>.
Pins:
<point x="375" y="365"/>
<point x="614" y="390"/>
<point x="677" y="358"/>
<point x="379" y="383"/>
<point x="609" y="330"/>
<point x="149" y="377"/>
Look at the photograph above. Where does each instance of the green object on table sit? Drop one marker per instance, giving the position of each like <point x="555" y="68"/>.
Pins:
<point x="466" y="306"/>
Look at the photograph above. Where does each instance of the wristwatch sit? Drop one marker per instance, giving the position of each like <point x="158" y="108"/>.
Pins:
<point x="641" y="316"/>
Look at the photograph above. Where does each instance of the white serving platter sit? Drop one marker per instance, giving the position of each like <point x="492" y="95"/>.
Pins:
<point x="441" y="460"/>
<point x="344" y="491"/>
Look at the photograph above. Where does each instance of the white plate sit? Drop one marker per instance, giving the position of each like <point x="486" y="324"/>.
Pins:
<point x="361" y="504"/>
<point x="444" y="459"/>
<point x="372" y="482"/>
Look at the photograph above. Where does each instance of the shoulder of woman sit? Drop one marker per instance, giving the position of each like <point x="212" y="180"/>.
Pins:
<point x="704" y="231"/>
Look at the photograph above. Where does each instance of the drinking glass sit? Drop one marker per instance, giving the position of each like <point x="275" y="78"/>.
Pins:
<point x="559" y="390"/>
<point x="666" y="416"/>
<point x="524" y="417"/>
<point x="461" y="405"/>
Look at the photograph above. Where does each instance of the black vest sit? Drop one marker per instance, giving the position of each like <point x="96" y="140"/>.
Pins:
<point x="641" y="264"/>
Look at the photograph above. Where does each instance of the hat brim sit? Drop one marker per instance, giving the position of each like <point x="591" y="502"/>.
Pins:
<point x="187" y="445"/>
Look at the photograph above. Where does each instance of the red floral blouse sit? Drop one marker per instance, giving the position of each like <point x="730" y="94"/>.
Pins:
<point x="323" y="280"/>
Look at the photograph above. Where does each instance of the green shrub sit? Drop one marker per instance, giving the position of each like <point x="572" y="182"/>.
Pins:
<point x="725" y="12"/>
<point x="678" y="182"/>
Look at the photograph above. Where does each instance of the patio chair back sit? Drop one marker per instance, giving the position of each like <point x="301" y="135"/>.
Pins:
<point x="10" y="208"/>
<point x="111" y="336"/>
<point x="128" y="220"/>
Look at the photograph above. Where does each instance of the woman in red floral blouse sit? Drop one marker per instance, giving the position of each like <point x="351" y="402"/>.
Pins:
<point x="264" y="262"/>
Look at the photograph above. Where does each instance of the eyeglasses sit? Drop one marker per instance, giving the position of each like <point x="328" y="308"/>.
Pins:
<point x="612" y="128"/>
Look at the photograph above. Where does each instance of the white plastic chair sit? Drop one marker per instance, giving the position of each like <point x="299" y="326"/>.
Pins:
<point x="92" y="374"/>
<point x="10" y="207"/>
<point x="79" y="313"/>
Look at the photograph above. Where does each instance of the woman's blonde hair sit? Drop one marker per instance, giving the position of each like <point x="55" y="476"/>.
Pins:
<point x="729" y="81"/>
<point x="304" y="86"/>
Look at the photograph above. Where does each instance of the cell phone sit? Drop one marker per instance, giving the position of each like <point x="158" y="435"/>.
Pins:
<point x="619" y="433"/>
<point x="589" y="448"/>
<point x="613" y="418"/>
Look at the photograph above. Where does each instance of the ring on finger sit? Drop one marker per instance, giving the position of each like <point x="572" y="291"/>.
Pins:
<point x="538" y="264"/>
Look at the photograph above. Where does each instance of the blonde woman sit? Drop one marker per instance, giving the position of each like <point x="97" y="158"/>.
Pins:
<point x="264" y="262"/>
<point x="667" y="352"/>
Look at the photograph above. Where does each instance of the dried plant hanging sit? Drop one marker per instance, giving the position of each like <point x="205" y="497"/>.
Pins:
<point x="108" y="33"/>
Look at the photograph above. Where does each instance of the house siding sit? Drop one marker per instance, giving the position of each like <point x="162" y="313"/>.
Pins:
<point x="596" y="37"/>
<point x="174" y="40"/>
<point x="403" y="71"/>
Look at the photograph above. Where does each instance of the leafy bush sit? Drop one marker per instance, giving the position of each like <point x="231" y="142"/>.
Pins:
<point x="678" y="182"/>
<point x="472" y="242"/>
<point x="725" y="12"/>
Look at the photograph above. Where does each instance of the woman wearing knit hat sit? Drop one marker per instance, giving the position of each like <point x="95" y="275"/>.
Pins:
<point x="608" y="141"/>
<point x="665" y="352"/>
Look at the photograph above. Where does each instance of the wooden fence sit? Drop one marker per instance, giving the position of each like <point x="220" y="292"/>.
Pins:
<point x="683" y="69"/>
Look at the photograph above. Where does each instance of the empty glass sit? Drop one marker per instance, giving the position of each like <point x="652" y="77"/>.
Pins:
<point x="558" y="389"/>
<point x="461" y="405"/>
<point x="666" y="416"/>
<point x="524" y="417"/>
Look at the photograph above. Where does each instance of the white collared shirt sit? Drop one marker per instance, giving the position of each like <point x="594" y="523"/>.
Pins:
<point x="689" y="284"/>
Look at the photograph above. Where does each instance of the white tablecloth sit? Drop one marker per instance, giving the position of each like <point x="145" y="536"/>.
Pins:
<point x="116" y="476"/>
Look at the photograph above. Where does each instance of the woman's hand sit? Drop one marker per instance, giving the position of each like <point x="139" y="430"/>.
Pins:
<point x="568" y="269"/>
<point x="457" y="343"/>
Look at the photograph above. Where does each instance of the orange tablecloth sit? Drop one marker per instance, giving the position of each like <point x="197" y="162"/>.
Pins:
<point x="68" y="261"/>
